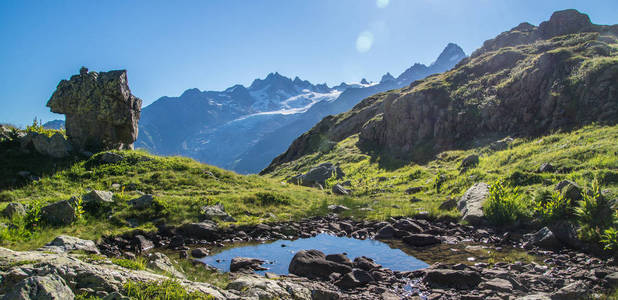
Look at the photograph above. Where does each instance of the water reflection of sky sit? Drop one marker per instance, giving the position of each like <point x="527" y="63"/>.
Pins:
<point x="278" y="258"/>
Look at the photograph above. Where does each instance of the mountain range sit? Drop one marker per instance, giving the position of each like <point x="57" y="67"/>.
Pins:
<point x="526" y="82"/>
<point x="244" y="128"/>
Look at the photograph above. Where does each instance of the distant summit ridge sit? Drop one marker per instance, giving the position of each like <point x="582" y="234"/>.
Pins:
<point x="244" y="128"/>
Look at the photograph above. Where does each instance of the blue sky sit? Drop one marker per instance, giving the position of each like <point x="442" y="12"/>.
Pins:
<point x="170" y="46"/>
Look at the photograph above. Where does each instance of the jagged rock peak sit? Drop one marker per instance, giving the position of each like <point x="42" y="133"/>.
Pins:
<point x="364" y="81"/>
<point x="387" y="77"/>
<point x="101" y="113"/>
<point x="452" y="52"/>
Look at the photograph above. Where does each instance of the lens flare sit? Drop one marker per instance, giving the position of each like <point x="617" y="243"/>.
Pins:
<point x="364" y="41"/>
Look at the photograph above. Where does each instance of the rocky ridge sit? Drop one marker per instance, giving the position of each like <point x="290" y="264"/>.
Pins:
<point x="526" y="82"/>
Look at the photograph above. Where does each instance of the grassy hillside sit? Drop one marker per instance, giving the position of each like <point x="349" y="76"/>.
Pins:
<point x="381" y="182"/>
<point x="180" y="186"/>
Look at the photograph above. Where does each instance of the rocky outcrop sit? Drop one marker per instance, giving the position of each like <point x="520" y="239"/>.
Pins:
<point x="527" y="82"/>
<point x="101" y="113"/>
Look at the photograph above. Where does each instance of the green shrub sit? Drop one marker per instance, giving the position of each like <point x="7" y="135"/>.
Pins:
<point x="553" y="208"/>
<point x="504" y="205"/>
<point x="609" y="239"/>
<point x="138" y="263"/>
<point x="37" y="127"/>
<point x="156" y="290"/>
<point x="594" y="213"/>
<point x="32" y="219"/>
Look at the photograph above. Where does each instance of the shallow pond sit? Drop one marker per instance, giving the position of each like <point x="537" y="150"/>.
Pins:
<point x="278" y="254"/>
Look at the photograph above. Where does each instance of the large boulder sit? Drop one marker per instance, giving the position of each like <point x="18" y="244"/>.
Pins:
<point x="313" y="264"/>
<point x="58" y="213"/>
<point x="101" y="113"/>
<point x="471" y="203"/>
<point x="50" y="286"/>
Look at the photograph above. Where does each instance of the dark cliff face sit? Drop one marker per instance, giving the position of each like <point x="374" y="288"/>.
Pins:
<point x="525" y="82"/>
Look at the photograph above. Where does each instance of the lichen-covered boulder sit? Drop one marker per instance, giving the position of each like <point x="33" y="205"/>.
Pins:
<point x="101" y="113"/>
<point x="50" y="286"/>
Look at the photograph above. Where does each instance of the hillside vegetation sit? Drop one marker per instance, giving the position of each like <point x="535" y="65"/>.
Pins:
<point x="181" y="186"/>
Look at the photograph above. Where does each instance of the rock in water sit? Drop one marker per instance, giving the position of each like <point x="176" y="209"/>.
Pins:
<point x="101" y="113"/>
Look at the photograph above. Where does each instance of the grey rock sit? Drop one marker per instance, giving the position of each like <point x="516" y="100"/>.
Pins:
<point x="313" y="264"/>
<point x="502" y="144"/>
<point x="339" y="258"/>
<point x="386" y="232"/>
<point x="354" y="279"/>
<point x="566" y="233"/>
<point x="570" y="190"/>
<point x="408" y="226"/>
<point x="159" y="261"/>
<point x="446" y="278"/>
<point x="65" y="243"/>
<point x="110" y="158"/>
<point x="471" y="203"/>
<point x="319" y="175"/>
<point x="55" y="146"/>
<point x="448" y="204"/>
<point x="547" y="168"/>
<point x="98" y="197"/>
<point x="497" y="284"/>
<point x="365" y="263"/>
<point x="142" y="202"/>
<point x="142" y="244"/>
<point x="413" y="190"/>
<point x="574" y="291"/>
<point x="101" y="113"/>
<point x="544" y="238"/>
<point x="50" y="286"/>
<point x="199" y="252"/>
<point x="216" y="212"/>
<point x="14" y="209"/>
<point x="203" y="230"/>
<point x="58" y="213"/>
<point x="246" y="265"/>
<point x="469" y="161"/>
<point x="340" y="190"/>
<point x="337" y="208"/>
